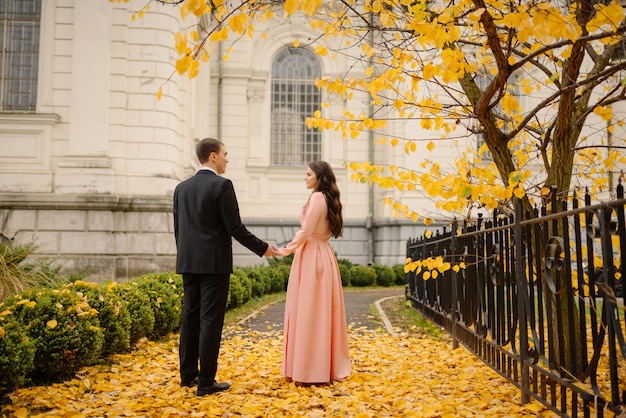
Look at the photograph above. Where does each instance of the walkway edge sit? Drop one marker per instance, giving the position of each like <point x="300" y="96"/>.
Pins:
<point x="383" y="315"/>
<point x="252" y="315"/>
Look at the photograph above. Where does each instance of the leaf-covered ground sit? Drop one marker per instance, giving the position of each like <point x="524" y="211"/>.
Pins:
<point x="410" y="376"/>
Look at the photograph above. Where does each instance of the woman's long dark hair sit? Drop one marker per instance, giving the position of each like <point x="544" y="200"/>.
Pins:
<point x="327" y="184"/>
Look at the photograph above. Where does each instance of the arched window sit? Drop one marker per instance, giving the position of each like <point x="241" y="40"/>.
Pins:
<point x="294" y="97"/>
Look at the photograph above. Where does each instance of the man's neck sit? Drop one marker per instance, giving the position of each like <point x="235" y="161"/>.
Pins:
<point x="208" y="167"/>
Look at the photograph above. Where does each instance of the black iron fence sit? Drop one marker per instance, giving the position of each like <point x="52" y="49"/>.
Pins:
<point x="538" y="297"/>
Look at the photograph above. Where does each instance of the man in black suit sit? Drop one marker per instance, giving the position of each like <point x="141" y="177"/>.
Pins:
<point x="206" y="216"/>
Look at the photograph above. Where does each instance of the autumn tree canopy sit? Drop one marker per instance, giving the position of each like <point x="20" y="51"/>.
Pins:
<point x="538" y="83"/>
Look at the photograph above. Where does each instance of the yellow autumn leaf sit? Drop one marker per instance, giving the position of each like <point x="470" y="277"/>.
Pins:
<point x="183" y="64"/>
<point x="180" y="43"/>
<point x="430" y="146"/>
<point x="369" y="51"/>
<point x="239" y="22"/>
<point x="604" y="112"/>
<point x="410" y="147"/>
<point x="321" y="50"/>
<point x="194" y="69"/>
<point x="514" y="178"/>
<point x="22" y="413"/>
<point x="2" y="332"/>
<point x="251" y="361"/>
<point x="510" y="105"/>
<point x="476" y="14"/>
<point x="52" y="324"/>
<point x="429" y="71"/>
<point x="609" y="15"/>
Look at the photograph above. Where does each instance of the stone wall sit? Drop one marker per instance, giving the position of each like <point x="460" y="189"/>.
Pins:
<point x="115" y="238"/>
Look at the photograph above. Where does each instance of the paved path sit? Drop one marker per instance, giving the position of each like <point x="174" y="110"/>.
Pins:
<point x="359" y="307"/>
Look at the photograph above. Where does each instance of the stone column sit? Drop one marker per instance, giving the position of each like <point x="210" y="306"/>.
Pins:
<point x="86" y="167"/>
<point x="259" y="116"/>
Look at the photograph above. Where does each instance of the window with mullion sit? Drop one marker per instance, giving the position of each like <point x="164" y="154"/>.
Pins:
<point x="294" y="97"/>
<point x="19" y="57"/>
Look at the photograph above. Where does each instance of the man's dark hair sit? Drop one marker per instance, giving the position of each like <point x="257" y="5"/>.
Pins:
<point x="206" y="146"/>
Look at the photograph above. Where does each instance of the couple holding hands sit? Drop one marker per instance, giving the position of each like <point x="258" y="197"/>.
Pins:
<point x="206" y="218"/>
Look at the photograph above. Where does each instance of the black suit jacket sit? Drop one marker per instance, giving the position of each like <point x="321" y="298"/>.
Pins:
<point x="206" y="216"/>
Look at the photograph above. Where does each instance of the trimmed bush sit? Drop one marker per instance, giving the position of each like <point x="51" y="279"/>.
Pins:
<point x="64" y="328"/>
<point x="138" y="307"/>
<point x="17" y="352"/>
<point x="239" y="290"/>
<point x="384" y="275"/>
<point x="246" y="284"/>
<point x="267" y="275"/>
<point x="345" y="270"/>
<point x="398" y="270"/>
<point x="165" y="301"/>
<point x="362" y="276"/>
<point x="175" y="281"/>
<point x="259" y="281"/>
<point x="279" y="276"/>
<point x="344" y="261"/>
<point x="346" y="274"/>
<point x="112" y="313"/>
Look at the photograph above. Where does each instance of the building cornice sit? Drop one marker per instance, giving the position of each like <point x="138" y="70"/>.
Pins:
<point x="50" y="201"/>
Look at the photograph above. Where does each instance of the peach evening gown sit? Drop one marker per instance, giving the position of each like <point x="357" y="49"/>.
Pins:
<point x="316" y="336"/>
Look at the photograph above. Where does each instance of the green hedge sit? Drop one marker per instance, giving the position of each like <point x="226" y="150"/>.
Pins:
<point x="398" y="270"/>
<point x="384" y="275"/>
<point x="49" y="334"/>
<point x="137" y="303"/>
<point x="240" y="290"/>
<point x="345" y="271"/>
<point x="165" y="291"/>
<point x="63" y="326"/>
<point x="17" y="352"/>
<point x="362" y="275"/>
<point x="112" y="313"/>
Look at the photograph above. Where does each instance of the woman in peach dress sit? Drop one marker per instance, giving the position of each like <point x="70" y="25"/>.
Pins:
<point x="316" y="336"/>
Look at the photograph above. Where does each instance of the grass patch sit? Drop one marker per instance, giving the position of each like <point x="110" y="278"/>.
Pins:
<point x="403" y="317"/>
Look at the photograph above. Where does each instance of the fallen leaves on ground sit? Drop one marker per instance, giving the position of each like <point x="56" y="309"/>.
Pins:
<point x="409" y="376"/>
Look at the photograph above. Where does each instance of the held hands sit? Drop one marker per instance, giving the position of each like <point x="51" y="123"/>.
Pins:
<point x="271" y="251"/>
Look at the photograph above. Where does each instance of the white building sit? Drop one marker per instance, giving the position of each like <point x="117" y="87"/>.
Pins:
<point x="89" y="157"/>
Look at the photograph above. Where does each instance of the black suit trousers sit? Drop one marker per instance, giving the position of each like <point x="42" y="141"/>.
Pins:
<point x="204" y="307"/>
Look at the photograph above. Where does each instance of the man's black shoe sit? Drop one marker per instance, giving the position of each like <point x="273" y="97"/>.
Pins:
<point x="189" y="383"/>
<point x="215" y="387"/>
